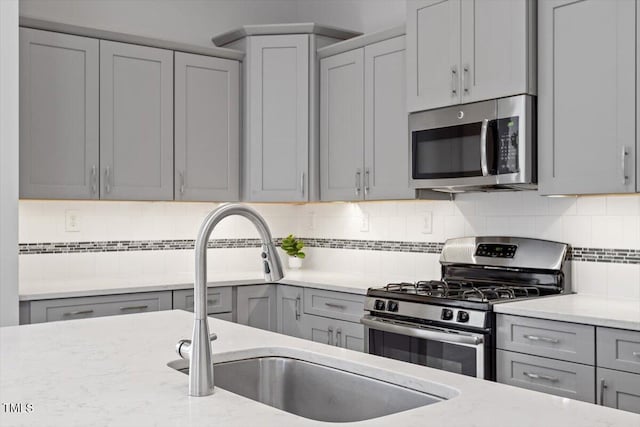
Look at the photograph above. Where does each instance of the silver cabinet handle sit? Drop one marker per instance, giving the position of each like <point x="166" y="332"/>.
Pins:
<point x="77" y="313"/>
<point x="94" y="179"/>
<point x="366" y="181"/>
<point x="541" y="377"/>
<point x="338" y="306"/>
<point x="483" y="148"/>
<point x="298" y="301"/>
<point x="625" y="176"/>
<point x="465" y="79"/>
<point x="134" y="307"/>
<point x="302" y="183"/>
<point x="338" y="337"/>
<point x="544" y="339"/>
<point x="212" y="301"/>
<point x="603" y="386"/>
<point x="454" y="80"/>
<point x="181" y="182"/>
<point x="107" y="174"/>
<point x="330" y="331"/>
<point x="357" y="182"/>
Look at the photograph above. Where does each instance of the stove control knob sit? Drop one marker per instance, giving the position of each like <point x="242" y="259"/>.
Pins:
<point x="392" y="306"/>
<point x="447" y="314"/>
<point x="463" y="316"/>
<point x="379" y="305"/>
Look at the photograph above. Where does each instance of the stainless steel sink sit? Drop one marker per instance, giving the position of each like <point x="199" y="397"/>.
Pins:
<point x="314" y="391"/>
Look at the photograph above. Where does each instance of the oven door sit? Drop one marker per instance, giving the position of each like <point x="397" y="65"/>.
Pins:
<point x="447" y="349"/>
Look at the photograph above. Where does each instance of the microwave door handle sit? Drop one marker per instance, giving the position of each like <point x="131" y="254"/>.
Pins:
<point x="483" y="148"/>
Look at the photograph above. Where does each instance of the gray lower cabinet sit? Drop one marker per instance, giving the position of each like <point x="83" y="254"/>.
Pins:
<point x="136" y="122"/>
<point x="58" y="115"/>
<point x="364" y="143"/>
<point x="256" y="306"/>
<point x="587" y="96"/>
<point x="334" y="332"/>
<point x="620" y="390"/>
<point x="290" y="312"/>
<point x="618" y="349"/>
<point x="561" y="378"/>
<point x="98" y="306"/>
<point x="207" y="128"/>
<point x="219" y="300"/>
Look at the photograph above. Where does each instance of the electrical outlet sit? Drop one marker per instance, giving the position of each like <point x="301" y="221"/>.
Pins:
<point x="427" y="225"/>
<point x="364" y="222"/>
<point x="71" y="221"/>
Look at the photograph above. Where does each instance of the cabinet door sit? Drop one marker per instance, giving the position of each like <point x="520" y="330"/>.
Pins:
<point x="587" y="87"/>
<point x="256" y="306"/>
<point x="58" y="116"/>
<point x="350" y="335"/>
<point x="290" y="311"/>
<point x="341" y="126"/>
<point x="334" y="332"/>
<point x="278" y="118"/>
<point x="386" y="146"/>
<point x="620" y="390"/>
<point x="433" y="53"/>
<point x="136" y="122"/>
<point x="495" y="37"/>
<point x="207" y="134"/>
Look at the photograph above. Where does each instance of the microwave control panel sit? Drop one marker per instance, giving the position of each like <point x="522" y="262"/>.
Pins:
<point x="507" y="149"/>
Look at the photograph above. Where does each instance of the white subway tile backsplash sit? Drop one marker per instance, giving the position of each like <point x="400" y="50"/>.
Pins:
<point x="577" y="230"/>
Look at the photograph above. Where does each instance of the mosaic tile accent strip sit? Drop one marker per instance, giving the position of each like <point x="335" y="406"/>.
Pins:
<point x="617" y="256"/>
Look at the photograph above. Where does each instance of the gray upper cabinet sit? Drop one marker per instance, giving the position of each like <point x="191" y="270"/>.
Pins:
<point x="497" y="48"/>
<point x="277" y="125"/>
<point x="386" y="138"/>
<point x="461" y="51"/>
<point x="342" y="126"/>
<point x="290" y="313"/>
<point x="256" y="306"/>
<point x="364" y="146"/>
<point x="207" y="128"/>
<point x="433" y="53"/>
<point x="58" y="115"/>
<point x="136" y="122"/>
<point x="587" y="102"/>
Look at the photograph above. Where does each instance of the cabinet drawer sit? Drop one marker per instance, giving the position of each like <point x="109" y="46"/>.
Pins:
<point x="219" y="300"/>
<point x="108" y="305"/>
<point x="337" y="305"/>
<point x="620" y="390"/>
<point x="565" y="379"/>
<point x="619" y="349"/>
<point x="547" y="338"/>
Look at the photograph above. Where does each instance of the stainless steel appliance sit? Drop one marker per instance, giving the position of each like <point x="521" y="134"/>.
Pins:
<point x="450" y="324"/>
<point x="484" y="146"/>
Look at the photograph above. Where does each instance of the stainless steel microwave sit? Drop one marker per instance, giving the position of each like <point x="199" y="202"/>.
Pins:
<point x="484" y="146"/>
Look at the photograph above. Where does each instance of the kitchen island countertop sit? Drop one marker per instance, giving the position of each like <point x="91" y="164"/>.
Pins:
<point x="113" y="371"/>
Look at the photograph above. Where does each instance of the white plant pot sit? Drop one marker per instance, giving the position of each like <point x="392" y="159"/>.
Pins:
<point x="295" y="263"/>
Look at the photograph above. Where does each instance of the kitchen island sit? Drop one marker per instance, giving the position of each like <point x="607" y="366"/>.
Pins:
<point x="113" y="371"/>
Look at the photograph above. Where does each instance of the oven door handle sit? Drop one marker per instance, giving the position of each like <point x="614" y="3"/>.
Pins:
<point x="421" y="332"/>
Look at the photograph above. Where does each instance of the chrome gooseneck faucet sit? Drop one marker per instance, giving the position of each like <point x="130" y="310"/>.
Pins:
<point x="198" y="349"/>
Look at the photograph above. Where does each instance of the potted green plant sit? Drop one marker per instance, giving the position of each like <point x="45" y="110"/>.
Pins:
<point x="293" y="248"/>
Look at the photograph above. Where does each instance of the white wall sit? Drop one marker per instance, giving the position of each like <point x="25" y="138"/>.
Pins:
<point x="188" y="21"/>
<point x="8" y="162"/>
<point x="360" y="15"/>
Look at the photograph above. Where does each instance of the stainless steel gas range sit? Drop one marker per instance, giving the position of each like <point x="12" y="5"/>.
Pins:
<point x="449" y="324"/>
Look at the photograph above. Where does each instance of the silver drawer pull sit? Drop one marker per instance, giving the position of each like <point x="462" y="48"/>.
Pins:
<point x="338" y="306"/>
<point x="545" y="339"/>
<point x="212" y="301"/>
<point x="636" y="353"/>
<point x="77" y="313"/>
<point x="541" y="377"/>
<point x="134" y="307"/>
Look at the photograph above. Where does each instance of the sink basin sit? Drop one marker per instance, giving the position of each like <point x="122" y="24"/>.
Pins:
<point x="312" y="390"/>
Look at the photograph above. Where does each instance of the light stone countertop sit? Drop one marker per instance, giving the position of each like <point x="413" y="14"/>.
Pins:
<point x="577" y="308"/>
<point x="31" y="290"/>
<point x="113" y="371"/>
